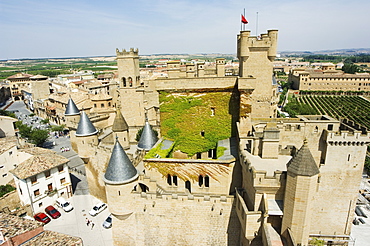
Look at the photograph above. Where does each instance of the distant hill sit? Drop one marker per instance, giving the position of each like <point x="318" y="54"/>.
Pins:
<point x="342" y="52"/>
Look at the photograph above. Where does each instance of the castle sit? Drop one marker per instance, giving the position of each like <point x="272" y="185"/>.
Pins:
<point x="223" y="170"/>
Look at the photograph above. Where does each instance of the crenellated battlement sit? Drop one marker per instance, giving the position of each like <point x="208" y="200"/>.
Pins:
<point x="264" y="42"/>
<point x="347" y="138"/>
<point x="130" y="53"/>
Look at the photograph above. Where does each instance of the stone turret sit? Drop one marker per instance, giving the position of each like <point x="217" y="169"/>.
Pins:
<point x="220" y="67"/>
<point x="148" y="138"/>
<point x="301" y="182"/>
<point x="120" y="128"/>
<point x="85" y="137"/>
<point x="71" y="114"/>
<point x="120" y="177"/>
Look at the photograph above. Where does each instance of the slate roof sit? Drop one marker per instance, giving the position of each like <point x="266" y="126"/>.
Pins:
<point x="120" y="169"/>
<point x="85" y="127"/>
<point x="71" y="108"/>
<point x="148" y="138"/>
<point x="119" y="124"/>
<point x="303" y="163"/>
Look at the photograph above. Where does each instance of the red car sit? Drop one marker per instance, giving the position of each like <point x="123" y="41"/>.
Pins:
<point x="42" y="218"/>
<point x="50" y="210"/>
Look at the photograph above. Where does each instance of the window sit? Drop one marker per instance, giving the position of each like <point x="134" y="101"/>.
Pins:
<point x="94" y="105"/>
<point x="102" y="105"/>
<point x="330" y="127"/>
<point x="33" y="179"/>
<point x="36" y="192"/>
<point x="200" y="180"/>
<point x="1" y="166"/>
<point x="60" y="168"/>
<point x="62" y="180"/>
<point x="174" y="179"/>
<point x="47" y="173"/>
<point x="109" y="104"/>
<point x="4" y="175"/>
<point x="50" y="187"/>
<point x="206" y="181"/>
<point x="188" y="186"/>
<point x="10" y="152"/>
<point x="169" y="181"/>
<point x="40" y="204"/>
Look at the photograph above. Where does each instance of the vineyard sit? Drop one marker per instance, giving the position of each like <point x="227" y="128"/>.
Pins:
<point x="353" y="108"/>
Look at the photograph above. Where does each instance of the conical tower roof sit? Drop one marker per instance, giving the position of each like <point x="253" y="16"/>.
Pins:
<point x="71" y="108"/>
<point x="303" y="163"/>
<point x="85" y="127"/>
<point x="148" y="138"/>
<point x="119" y="124"/>
<point x="120" y="169"/>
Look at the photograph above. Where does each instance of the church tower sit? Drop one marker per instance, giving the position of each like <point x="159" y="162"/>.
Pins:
<point x="131" y="92"/>
<point x="302" y="175"/>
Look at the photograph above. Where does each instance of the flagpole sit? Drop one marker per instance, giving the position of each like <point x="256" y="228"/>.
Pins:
<point x="257" y="26"/>
<point x="243" y="23"/>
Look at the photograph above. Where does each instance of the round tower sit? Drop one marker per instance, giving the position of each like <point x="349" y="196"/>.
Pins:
<point x="121" y="130"/>
<point x="148" y="138"/>
<point x="71" y="114"/>
<point x="86" y="137"/>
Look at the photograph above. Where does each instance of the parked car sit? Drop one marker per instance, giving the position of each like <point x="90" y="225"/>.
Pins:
<point x="50" y="210"/>
<point x="108" y="222"/>
<point x="42" y="217"/>
<point x="65" y="205"/>
<point x="97" y="208"/>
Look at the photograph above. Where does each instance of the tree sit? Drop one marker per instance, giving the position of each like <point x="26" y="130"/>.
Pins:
<point x="24" y="130"/>
<point x="39" y="136"/>
<point x="350" y="68"/>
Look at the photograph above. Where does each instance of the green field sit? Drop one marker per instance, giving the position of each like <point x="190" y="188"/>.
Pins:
<point x="354" y="108"/>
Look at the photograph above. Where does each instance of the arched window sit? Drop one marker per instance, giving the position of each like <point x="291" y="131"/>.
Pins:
<point x="200" y="180"/>
<point x="124" y="82"/>
<point x="206" y="181"/>
<point x="169" y="180"/>
<point x="188" y="186"/>
<point x="130" y="81"/>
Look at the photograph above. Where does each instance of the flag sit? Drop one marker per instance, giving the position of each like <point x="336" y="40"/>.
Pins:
<point x="244" y="20"/>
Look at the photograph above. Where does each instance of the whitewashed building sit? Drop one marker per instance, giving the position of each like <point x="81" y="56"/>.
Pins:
<point x="41" y="178"/>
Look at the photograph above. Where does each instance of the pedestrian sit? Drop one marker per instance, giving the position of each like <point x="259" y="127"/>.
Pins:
<point x="92" y="225"/>
<point x="87" y="221"/>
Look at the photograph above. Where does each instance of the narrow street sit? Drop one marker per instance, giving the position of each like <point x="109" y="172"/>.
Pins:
<point x="74" y="222"/>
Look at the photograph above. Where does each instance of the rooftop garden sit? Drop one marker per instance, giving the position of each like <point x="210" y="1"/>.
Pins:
<point x="196" y="121"/>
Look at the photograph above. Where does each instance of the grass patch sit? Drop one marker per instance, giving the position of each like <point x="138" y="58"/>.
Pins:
<point x="187" y="118"/>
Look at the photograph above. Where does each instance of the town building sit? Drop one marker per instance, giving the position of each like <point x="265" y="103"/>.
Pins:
<point x="41" y="176"/>
<point x="328" y="79"/>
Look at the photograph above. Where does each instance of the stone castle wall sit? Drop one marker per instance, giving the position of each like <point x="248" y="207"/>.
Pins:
<point x="180" y="221"/>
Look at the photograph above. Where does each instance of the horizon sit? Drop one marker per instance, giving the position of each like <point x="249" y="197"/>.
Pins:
<point x="84" y="29"/>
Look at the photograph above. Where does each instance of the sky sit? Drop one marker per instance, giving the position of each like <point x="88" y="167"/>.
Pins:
<point x="80" y="28"/>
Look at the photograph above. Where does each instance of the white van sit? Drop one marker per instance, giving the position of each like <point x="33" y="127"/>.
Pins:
<point x="66" y="206"/>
